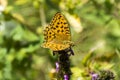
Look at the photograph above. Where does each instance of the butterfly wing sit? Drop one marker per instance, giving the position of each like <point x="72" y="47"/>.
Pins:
<point x="57" y="34"/>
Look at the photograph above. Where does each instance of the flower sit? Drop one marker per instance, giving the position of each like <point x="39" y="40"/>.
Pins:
<point x="66" y="77"/>
<point x="94" y="76"/>
<point x="57" y="66"/>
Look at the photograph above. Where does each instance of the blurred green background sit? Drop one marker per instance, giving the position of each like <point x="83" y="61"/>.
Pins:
<point x="95" y="29"/>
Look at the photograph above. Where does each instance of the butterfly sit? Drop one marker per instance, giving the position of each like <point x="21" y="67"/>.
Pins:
<point x="57" y="35"/>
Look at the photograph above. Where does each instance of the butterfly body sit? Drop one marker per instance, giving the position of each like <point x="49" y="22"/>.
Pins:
<point x="57" y="35"/>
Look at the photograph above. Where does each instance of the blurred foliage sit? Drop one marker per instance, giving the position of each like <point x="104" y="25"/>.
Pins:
<point x="95" y="29"/>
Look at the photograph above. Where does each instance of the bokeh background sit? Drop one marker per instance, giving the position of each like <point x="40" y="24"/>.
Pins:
<point x="95" y="29"/>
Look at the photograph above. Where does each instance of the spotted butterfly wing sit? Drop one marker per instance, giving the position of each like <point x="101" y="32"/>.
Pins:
<point x="57" y="34"/>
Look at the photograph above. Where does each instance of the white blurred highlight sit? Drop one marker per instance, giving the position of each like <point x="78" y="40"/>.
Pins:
<point x="74" y="22"/>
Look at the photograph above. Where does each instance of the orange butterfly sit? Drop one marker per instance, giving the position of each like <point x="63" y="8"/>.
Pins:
<point x="57" y="34"/>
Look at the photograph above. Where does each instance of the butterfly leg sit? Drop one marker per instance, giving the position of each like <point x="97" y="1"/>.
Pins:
<point x="71" y="52"/>
<point x="55" y="52"/>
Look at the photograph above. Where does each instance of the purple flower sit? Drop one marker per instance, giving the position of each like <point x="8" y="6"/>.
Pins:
<point x="94" y="76"/>
<point x="66" y="77"/>
<point x="57" y="66"/>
